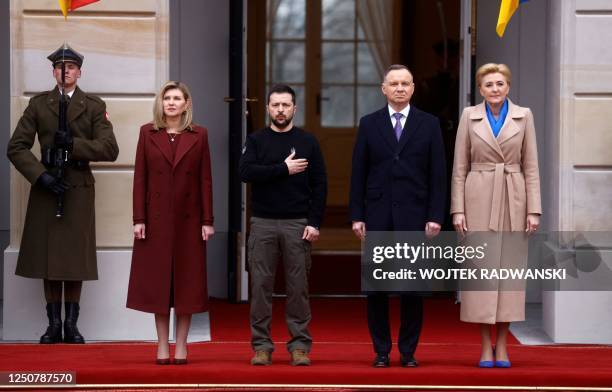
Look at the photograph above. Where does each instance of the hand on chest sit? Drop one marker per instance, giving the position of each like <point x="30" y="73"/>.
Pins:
<point x="277" y="153"/>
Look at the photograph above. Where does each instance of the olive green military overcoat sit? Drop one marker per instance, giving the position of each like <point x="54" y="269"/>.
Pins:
<point x="61" y="248"/>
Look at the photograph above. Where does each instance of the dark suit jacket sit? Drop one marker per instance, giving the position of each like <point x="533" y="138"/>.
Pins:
<point x="398" y="185"/>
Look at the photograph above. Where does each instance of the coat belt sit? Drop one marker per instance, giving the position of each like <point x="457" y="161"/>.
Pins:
<point x="498" y="182"/>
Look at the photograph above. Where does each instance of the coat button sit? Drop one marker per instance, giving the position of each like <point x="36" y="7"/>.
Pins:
<point x="396" y="158"/>
<point x="159" y="172"/>
<point x="395" y="204"/>
<point x="157" y="194"/>
<point x="187" y="194"/>
<point x="187" y="216"/>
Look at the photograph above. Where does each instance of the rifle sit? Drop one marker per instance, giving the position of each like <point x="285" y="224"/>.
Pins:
<point x="58" y="156"/>
<point x="61" y="153"/>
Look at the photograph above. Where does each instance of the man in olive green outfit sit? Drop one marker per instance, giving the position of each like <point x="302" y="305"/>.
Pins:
<point x="59" y="240"/>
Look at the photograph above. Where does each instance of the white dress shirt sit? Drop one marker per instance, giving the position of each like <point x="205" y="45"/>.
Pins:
<point x="404" y="113"/>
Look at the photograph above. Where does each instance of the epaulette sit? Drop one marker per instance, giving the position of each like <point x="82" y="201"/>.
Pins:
<point x="95" y="99"/>
<point x="44" y="93"/>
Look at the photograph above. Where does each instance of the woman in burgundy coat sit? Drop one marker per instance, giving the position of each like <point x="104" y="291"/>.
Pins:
<point x="172" y="218"/>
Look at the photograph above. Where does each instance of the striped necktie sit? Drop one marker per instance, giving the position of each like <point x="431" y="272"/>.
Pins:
<point x="398" y="125"/>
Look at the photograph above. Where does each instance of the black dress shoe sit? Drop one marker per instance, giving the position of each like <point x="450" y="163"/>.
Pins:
<point x="408" y="360"/>
<point x="71" y="332"/>
<point x="54" y="330"/>
<point x="381" y="360"/>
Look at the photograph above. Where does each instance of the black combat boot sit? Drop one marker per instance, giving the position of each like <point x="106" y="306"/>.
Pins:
<point x="71" y="332"/>
<point x="54" y="330"/>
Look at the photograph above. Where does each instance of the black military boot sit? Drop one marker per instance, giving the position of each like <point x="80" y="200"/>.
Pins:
<point x="71" y="332"/>
<point x="54" y="330"/>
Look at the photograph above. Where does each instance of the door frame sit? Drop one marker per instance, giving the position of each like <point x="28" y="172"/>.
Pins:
<point x="237" y="277"/>
<point x="468" y="53"/>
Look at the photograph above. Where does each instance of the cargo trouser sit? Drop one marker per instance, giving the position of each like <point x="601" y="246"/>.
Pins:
<point x="271" y="239"/>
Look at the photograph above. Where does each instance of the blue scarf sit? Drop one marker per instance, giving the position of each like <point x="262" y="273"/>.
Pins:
<point x="496" y="125"/>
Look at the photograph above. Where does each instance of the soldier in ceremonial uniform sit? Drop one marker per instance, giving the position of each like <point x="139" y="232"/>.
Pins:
<point x="59" y="243"/>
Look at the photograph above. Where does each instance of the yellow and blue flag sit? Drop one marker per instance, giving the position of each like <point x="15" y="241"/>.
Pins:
<point x="506" y="10"/>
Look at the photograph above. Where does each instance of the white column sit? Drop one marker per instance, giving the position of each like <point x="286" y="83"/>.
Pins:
<point x="579" y="89"/>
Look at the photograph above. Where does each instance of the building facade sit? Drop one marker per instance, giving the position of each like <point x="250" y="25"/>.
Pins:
<point x="557" y="49"/>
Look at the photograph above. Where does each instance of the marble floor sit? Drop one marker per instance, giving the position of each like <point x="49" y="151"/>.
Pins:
<point x="200" y="328"/>
<point x="530" y="332"/>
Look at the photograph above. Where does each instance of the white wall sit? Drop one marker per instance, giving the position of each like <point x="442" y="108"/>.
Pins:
<point x="559" y="53"/>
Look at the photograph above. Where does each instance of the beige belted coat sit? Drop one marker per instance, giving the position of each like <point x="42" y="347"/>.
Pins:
<point x="496" y="183"/>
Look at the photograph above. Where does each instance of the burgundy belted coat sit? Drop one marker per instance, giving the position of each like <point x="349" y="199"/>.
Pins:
<point x="173" y="198"/>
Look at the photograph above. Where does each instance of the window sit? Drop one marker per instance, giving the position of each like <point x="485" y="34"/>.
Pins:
<point x="346" y="82"/>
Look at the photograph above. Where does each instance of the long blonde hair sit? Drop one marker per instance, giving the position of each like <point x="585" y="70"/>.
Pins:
<point x="159" y="120"/>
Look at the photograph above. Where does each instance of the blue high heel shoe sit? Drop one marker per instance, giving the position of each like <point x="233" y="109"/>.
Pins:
<point x="503" y="364"/>
<point x="485" y="364"/>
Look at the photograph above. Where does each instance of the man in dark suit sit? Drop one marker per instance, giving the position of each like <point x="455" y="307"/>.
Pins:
<point x="398" y="183"/>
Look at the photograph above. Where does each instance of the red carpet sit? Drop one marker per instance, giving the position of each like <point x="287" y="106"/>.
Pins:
<point x="344" y="320"/>
<point x="341" y="355"/>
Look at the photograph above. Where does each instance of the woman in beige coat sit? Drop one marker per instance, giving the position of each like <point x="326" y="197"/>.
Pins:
<point x="495" y="189"/>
